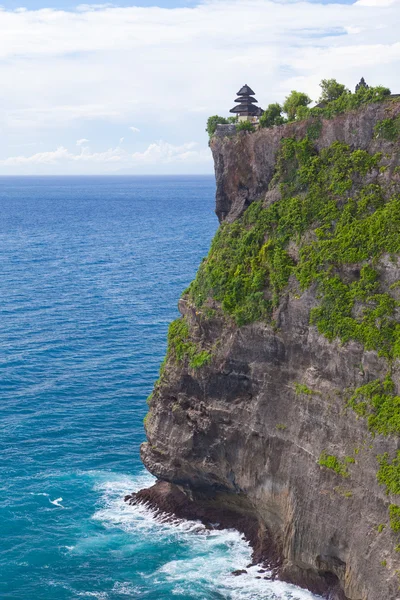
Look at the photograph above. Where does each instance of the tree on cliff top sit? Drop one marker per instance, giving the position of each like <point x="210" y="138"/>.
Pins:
<point x="272" y="116"/>
<point x="331" y="90"/>
<point x="293" y="102"/>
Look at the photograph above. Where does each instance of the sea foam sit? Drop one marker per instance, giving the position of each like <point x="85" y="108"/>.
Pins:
<point x="205" y="564"/>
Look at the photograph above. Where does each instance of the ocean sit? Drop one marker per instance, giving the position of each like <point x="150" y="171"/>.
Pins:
<point x="91" y="272"/>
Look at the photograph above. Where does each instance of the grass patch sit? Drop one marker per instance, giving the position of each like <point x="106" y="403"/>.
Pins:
<point x="389" y="473"/>
<point x="182" y="348"/>
<point x="394" y="513"/>
<point x="300" y="388"/>
<point x="331" y="462"/>
<point x="377" y="402"/>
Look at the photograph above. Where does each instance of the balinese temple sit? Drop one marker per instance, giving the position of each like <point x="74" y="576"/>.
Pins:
<point x="246" y="109"/>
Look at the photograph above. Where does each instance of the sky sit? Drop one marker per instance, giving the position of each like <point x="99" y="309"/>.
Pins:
<point x="127" y="87"/>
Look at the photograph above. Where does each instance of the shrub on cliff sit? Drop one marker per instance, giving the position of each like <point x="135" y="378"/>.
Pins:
<point x="345" y="102"/>
<point x="216" y="120"/>
<point x="182" y="348"/>
<point x="293" y="102"/>
<point x="245" y="126"/>
<point x="272" y="116"/>
<point x="389" y="129"/>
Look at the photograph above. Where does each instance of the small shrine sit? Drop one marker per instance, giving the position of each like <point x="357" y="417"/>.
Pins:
<point x="246" y="109"/>
<point x="362" y="84"/>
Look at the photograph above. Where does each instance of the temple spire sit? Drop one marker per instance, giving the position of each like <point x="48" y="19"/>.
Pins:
<point x="246" y="109"/>
<point x="362" y="84"/>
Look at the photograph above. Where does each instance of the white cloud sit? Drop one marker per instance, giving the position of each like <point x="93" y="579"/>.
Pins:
<point x="382" y="3"/>
<point x="113" y="160"/>
<point x="81" y="142"/>
<point x="100" y="67"/>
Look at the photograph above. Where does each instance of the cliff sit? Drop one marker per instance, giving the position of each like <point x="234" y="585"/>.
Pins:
<point x="277" y="408"/>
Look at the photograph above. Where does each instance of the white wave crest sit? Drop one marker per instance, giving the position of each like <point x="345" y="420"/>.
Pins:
<point x="57" y="502"/>
<point x="206" y="558"/>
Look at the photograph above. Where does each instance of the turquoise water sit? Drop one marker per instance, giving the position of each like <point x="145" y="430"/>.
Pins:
<point x="91" y="271"/>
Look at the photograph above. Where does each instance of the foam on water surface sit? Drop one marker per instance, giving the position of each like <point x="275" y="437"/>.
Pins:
<point x="207" y="560"/>
<point x="92" y="270"/>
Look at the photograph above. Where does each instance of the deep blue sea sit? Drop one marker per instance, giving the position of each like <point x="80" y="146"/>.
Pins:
<point x="91" y="270"/>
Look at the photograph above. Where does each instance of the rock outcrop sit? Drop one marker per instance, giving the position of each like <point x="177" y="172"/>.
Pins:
<point x="259" y="417"/>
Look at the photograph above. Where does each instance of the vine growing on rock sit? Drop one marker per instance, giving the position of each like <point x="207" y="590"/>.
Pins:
<point x="379" y="404"/>
<point x="389" y="129"/>
<point x="182" y="348"/>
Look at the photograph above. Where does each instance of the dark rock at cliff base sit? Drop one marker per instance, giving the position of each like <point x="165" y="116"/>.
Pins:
<point x="239" y="572"/>
<point x="171" y="501"/>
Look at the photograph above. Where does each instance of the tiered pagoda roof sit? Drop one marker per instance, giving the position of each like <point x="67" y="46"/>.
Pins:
<point x="246" y="100"/>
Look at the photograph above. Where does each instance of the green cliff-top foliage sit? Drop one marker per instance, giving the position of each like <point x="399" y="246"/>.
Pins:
<point x="335" y="99"/>
<point x="322" y="223"/>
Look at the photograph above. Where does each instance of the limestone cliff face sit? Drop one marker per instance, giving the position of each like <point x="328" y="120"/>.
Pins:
<point x="245" y="424"/>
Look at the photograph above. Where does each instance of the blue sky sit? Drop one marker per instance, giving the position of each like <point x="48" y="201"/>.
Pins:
<point x="125" y="88"/>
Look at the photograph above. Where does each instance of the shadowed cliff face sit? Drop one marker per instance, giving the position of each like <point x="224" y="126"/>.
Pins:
<point x="244" y="417"/>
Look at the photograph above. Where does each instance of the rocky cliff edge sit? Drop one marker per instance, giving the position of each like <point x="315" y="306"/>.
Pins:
<point x="277" y="408"/>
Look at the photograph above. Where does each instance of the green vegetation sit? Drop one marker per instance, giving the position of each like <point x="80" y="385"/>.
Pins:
<point x="300" y="388"/>
<point x="272" y="116"/>
<point x="238" y="267"/>
<point x="249" y="266"/>
<point x="216" y="120"/>
<point x="245" y="126"/>
<point x="347" y="101"/>
<point x="377" y="402"/>
<point x="331" y="90"/>
<point x="332" y="462"/>
<point x="389" y="473"/>
<point x="380" y="527"/>
<point x="293" y="102"/>
<point x="394" y="513"/>
<point x="389" y="129"/>
<point x="335" y="99"/>
<point x="280" y="427"/>
<point x="314" y="129"/>
<point x="182" y="348"/>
